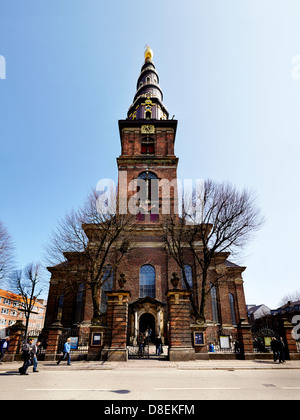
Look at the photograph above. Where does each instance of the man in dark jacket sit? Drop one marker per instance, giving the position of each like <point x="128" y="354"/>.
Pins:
<point x="281" y="346"/>
<point x="26" y="357"/>
<point x="275" y="348"/>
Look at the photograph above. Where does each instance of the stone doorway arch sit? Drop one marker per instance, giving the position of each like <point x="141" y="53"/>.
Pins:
<point x="146" y="313"/>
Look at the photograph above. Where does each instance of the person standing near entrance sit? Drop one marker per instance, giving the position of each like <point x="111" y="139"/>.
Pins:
<point x="141" y="344"/>
<point x="158" y="344"/>
<point x="281" y="351"/>
<point x="66" y="353"/>
<point x="275" y="348"/>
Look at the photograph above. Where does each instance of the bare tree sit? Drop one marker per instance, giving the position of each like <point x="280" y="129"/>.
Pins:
<point x="290" y="297"/>
<point x="98" y="238"/>
<point x="29" y="284"/>
<point x="6" y="252"/>
<point x="224" y="222"/>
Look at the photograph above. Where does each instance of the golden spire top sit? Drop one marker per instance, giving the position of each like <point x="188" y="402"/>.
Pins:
<point x="148" y="53"/>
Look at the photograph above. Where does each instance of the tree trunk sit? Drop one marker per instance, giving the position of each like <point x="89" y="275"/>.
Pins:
<point x="202" y="308"/>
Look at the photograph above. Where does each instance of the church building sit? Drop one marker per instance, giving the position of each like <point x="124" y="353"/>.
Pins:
<point x="154" y="298"/>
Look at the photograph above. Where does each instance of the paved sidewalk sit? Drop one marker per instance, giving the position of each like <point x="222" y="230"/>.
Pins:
<point x="157" y="364"/>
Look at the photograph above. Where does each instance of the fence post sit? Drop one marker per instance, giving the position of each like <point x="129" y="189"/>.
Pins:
<point x="15" y="342"/>
<point x="55" y="332"/>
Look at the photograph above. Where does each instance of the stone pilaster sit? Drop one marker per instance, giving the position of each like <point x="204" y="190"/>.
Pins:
<point x="115" y="343"/>
<point x="180" y="335"/>
<point x="55" y="332"/>
<point x="15" y="342"/>
<point x="245" y="339"/>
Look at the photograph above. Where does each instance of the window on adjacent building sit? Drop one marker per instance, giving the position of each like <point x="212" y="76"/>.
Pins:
<point x="232" y="308"/>
<point x="147" y="281"/>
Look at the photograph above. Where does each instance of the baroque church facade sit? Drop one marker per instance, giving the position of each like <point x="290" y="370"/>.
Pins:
<point x="151" y="300"/>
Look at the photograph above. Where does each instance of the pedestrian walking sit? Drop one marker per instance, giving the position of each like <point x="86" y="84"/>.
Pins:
<point x="26" y="357"/>
<point x="4" y="348"/>
<point x="275" y="348"/>
<point x="211" y="348"/>
<point x="66" y="353"/>
<point x="33" y="355"/>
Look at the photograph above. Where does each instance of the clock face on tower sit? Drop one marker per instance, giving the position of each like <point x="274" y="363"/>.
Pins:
<point x="147" y="129"/>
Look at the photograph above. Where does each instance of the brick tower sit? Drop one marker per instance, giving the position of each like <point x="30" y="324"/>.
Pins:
<point x="147" y="141"/>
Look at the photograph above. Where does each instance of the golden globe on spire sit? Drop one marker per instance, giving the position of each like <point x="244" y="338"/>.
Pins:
<point x="148" y="53"/>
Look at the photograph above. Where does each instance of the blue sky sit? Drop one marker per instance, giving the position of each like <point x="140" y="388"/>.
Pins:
<point x="226" y="70"/>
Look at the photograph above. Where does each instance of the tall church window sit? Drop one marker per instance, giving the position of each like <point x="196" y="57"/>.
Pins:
<point x="148" y="177"/>
<point x="232" y="309"/>
<point x="214" y="304"/>
<point x="188" y="275"/>
<point x="79" y="300"/>
<point x="108" y="277"/>
<point x="147" y="281"/>
<point x="60" y="307"/>
<point x="147" y="146"/>
<point x="148" y="115"/>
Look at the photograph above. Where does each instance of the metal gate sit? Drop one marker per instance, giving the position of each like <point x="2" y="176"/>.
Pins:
<point x="143" y="348"/>
<point x="262" y="340"/>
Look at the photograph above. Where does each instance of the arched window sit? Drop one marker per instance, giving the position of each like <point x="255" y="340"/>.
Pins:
<point x="147" y="146"/>
<point x="148" y="115"/>
<point x="79" y="300"/>
<point x="60" y="307"/>
<point x="148" y="177"/>
<point x="108" y="277"/>
<point x="147" y="281"/>
<point x="214" y="304"/>
<point x="232" y="308"/>
<point x="188" y="275"/>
